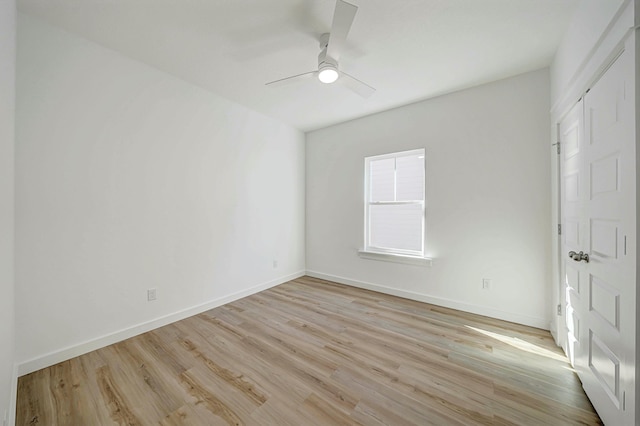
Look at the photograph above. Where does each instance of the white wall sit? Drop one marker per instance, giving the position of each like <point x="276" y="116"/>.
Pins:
<point x="590" y="21"/>
<point x="7" y="110"/>
<point x="488" y="196"/>
<point x="127" y="179"/>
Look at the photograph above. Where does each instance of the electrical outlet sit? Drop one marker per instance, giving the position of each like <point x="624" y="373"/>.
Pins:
<point x="151" y="294"/>
<point x="275" y="264"/>
<point x="486" y="283"/>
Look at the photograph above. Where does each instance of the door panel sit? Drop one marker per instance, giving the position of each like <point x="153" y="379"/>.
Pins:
<point x="604" y="300"/>
<point x="607" y="132"/>
<point x="604" y="176"/>
<point x="605" y="366"/>
<point x="571" y="141"/>
<point x="572" y="231"/>
<point x="604" y="239"/>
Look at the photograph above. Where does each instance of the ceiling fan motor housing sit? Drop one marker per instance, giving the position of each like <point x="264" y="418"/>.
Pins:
<point x="327" y="66"/>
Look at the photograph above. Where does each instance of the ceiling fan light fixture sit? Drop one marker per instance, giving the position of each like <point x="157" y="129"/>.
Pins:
<point x="331" y="45"/>
<point x="328" y="74"/>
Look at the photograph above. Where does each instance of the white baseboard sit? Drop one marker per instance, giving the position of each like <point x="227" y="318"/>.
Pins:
<point x="64" y="354"/>
<point x="542" y="323"/>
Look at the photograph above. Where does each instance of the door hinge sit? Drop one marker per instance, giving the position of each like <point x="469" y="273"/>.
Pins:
<point x="559" y="309"/>
<point x="558" y="148"/>
<point x="624" y="400"/>
<point x="559" y="229"/>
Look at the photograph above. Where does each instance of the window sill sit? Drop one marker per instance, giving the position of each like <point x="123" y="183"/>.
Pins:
<point x="397" y="258"/>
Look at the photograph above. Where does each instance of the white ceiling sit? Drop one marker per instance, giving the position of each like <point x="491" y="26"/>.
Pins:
<point x="409" y="50"/>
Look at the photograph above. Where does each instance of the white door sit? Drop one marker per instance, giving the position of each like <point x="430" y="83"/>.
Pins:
<point x="572" y="204"/>
<point x="598" y="244"/>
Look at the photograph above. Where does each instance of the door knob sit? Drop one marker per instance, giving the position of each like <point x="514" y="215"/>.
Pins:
<point x="578" y="257"/>
<point x="583" y="256"/>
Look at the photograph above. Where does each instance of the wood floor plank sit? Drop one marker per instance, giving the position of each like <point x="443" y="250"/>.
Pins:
<point x="313" y="352"/>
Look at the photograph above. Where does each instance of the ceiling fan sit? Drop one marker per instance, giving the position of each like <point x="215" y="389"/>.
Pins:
<point x="331" y="45"/>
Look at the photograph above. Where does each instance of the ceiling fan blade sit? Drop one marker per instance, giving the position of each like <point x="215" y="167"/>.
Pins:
<point x="342" y="20"/>
<point x="292" y="79"/>
<point x="355" y="85"/>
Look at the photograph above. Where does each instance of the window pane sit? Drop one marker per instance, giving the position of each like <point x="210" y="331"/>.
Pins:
<point x="410" y="178"/>
<point x="381" y="179"/>
<point x="396" y="226"/>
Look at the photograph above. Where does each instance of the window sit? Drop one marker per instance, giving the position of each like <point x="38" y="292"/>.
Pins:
<point x="394" y="203"/>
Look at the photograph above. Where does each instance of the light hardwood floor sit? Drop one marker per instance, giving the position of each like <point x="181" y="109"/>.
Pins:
<point x="311" y="352"/>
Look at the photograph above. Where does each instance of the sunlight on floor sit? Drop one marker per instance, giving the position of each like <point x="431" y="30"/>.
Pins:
<point x="522" y="345"/>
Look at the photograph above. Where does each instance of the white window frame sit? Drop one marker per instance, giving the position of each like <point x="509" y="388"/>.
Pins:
<point x="372" y="252"/>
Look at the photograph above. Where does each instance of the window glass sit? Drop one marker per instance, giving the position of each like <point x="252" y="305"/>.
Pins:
<point x="396" y="226"/>
<point x="394" y="208"/>
<point x="381" y="174"/>
<point x="410" y="178"/>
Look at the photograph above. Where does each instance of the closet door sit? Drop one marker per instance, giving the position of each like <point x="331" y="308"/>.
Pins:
<point x="572" y="205"/>
<point x="599" y="227"/>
